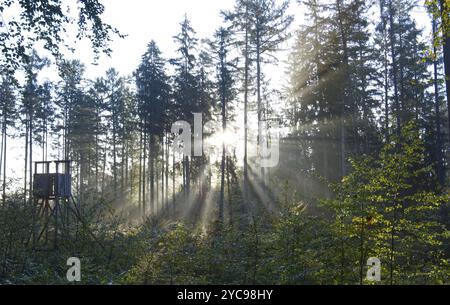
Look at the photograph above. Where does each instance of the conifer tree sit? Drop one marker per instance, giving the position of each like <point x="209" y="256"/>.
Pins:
<point x="153" y="96"/>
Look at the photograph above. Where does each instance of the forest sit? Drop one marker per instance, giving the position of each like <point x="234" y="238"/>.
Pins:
<point x="357" y="133"/>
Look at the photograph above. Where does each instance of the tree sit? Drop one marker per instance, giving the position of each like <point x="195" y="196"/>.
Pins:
<point x="29" y="108"/>
<point x="7" y="98"/>
<point x="225" y="68"/>
<point x="268" y="29"/>
<point x="440" y="168"/>
<point x="76" y="122"/>
<point x="47" y="21"/>
<point x="387" y="207"/>
<point x="240" y="19"/>
<point x="332" y="87"/>
<point x="185" y="88"/>
<point x="153" y="93"/>
<point x="116" y="94"/>
<point x="440" y="11"/>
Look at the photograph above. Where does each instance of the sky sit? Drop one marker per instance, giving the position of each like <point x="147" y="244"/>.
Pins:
<point x="146" y="20"/>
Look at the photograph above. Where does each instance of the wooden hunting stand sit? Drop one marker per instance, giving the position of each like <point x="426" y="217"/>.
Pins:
<point x="52" y="195"/>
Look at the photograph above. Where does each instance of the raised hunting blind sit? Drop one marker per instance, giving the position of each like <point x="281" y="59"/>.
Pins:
<point x="52" y="195"/>
<point x="48" y="185"/>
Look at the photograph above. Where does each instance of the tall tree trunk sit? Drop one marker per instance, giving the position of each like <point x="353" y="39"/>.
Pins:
<point x="402" y="77"/>
<point x="346" y="90"/>
<point x="163" y="168"/>
<point x="131" y="169"/>
<point x="230" y="206"/>
<point x="122" y="166"/>
<point x="167" y="170"/>
<point x="5" y="137"/>
<point x="394" y="65"/>
<point x="323" y="145"/>
<point x="114" y="139"/>
<point x="126" y="169"/>
<point x="173" y="179"/>
<point x="1" y="152"/>
<point x="224" y="128"/>
<point x="25" y="185"/>
<point x="184" y="179"/>
<point x="156" y="201"/>
<point x="222" y="185"/>
<point x="97" y="148"/>
<point x="104" y="173"/>
<point x="258" y="94"/>
<point x="140" y="172"/>
<point x="445" y="8"/>
<point x="439" y="145"/>
<point x="246" y="89"/>
<point x="144" y="205"/>
<point x="152" y="156"/>
<point x="386" y="75"/>
<point x="188" y="178"/>
<point x="65" y="133"/>
<point x="439" y="165"/>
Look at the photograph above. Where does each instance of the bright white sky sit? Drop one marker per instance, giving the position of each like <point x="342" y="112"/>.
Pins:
<point x="144" y="20"/>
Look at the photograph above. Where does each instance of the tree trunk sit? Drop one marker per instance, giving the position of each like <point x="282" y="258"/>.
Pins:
<point x="152" y="173"/>
<point x="230" y="206"/>
<point x="246" y="89"/>
<point x="224" y="127"/>
<point x="26" y="162"/>
<point x="140" y="172"/>
<point x="167" y="170"/>
<point x="144" y="205"/>
<point x="163" y="168"/>
<point x="386" y="79"/>
<point x="173" y="179"/>
<point x="188" y="178"/>
<point x="258" y="93"/>
<point x="5" y="137"/>
<point x="439" y="165"/>
<point x="114" y="139"/>
<point x="222" y="185"/>
<point x="394" y="66"/>
<point x="446" y="47"/>
<point x="345" y="91"/>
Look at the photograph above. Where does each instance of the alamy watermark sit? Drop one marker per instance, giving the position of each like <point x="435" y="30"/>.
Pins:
<point x="268" y="148"/>
<point x="74" y="272"/>
<point x="374" y="271"/>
